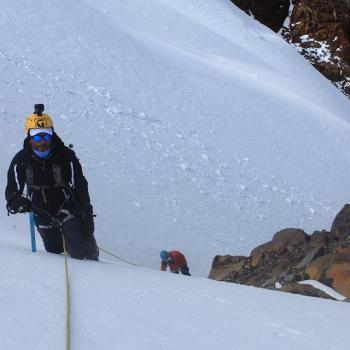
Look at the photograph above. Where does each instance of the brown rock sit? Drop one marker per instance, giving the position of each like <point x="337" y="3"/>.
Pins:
<point x="271" y="13"/>
<point x="319" y="29"/>
<point x="227" y="265"/>
<point x="255" y="258"/>
<point x="291" y="236"/>
<point x="274" y="275"/>
<point x="293" y="256"/>
<point x="304" y="289"/>
<point x="332" y="270"/>
<point x="341" y="224"/>
<point x="281" y="240"/>
<point x="310" y="256"/>
<point x="315" y="270"/>
<point x="277" y="247"/>
<point x="341" y="246"/>
<point x="342" y="250"/>
<point x="319" y="238"/>
<point x="340" y="277"/>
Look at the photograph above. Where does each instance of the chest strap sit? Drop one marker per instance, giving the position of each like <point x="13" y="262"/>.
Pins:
<point x="56" y="175"/>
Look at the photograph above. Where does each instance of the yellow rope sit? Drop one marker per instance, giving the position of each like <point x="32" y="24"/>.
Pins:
<point x="67" y="296"/>
<point x="117" y="257"/>
<point x="68" y="290"/>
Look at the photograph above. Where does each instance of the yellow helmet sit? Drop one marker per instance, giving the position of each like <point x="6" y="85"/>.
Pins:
<point x="35" y="121"/>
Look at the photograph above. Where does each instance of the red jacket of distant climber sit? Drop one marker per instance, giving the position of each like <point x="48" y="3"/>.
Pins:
<point x="176" y="263"/>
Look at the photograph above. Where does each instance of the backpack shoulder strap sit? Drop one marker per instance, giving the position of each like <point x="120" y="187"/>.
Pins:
<point x="57" y="174"/>
<point x="29" y="172"/>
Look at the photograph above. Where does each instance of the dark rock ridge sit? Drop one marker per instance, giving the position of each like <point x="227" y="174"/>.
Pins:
<point x="293" y="256"/>
<point x="319" y="29"/>
<point x="271" y="13"/>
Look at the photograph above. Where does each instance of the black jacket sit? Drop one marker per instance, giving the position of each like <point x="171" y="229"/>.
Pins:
<point x="44" y="191"/>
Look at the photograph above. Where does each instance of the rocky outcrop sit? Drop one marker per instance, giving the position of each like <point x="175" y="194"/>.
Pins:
<point x="271" y="13"/>
<point x="292" y="256"/>
<point x="341" y="225"/>
<point x="319" y="29"/>
<point x="227" y="265"/>
<point x="332" y="270"/>
<point x="304" y="289"/>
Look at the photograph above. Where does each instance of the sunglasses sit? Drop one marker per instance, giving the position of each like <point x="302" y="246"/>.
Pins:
<point x="38" y="137"/>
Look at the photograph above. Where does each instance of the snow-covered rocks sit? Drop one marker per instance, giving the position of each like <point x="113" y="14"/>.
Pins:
<point x="293" y="256"/>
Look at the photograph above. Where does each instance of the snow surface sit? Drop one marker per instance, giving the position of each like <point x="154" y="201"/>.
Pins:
<point x="198" y="129"/>
<point x="330" y="291"/>
<point x="117" y="306"/>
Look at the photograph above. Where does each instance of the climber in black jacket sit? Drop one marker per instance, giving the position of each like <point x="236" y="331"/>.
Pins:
<point x="55" y="187"/>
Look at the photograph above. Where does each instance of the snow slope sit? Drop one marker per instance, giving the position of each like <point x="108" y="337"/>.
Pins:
<point x="117" y="306"/>
<point x="198" y="128"/>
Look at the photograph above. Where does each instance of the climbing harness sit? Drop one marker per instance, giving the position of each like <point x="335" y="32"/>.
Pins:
<point x="57" y="176"/>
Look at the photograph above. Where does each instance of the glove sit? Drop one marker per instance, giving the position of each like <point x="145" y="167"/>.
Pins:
<point x="20" y="204"/>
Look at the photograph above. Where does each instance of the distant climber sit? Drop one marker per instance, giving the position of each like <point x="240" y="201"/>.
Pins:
<point x="55" y="188"/>
<point x="176" y="262"/>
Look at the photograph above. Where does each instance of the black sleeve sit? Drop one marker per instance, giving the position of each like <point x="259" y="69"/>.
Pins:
<point x="15" y="179"/>
<point x="79" y="183"/>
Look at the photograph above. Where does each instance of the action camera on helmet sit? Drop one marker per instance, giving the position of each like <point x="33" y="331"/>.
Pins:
<point x="39" y="109"/>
